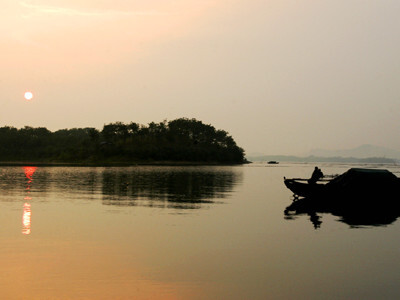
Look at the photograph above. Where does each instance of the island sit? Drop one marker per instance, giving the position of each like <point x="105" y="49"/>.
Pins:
<point x="180" y="141"/>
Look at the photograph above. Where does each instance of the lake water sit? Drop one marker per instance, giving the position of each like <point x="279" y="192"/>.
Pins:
<point x="183" y="233"/>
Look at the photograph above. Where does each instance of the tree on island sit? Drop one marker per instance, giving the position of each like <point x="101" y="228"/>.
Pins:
<point x="180" y="140"/>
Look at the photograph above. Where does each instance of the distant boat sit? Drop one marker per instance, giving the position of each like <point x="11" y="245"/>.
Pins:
<point x="273" y="162"/>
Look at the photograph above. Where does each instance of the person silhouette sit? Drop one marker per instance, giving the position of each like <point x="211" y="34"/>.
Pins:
<point x="316" y="175"/>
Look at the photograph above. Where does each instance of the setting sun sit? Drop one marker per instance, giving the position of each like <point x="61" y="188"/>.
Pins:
<point x="28" y="95"/>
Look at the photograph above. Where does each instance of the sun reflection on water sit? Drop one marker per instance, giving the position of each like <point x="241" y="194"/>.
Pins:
<point x="27" y="212"/>
<point x="29" y="171"/>
<point x="26" y="219"/>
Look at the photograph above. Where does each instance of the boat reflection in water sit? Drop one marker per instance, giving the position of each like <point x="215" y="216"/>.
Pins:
<point x="27" y="212"/>
<point x="355" y="215"/>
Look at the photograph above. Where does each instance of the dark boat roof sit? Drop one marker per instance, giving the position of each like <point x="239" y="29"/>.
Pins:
<point x="359" y="176"/>
<point x="369" y="173"/>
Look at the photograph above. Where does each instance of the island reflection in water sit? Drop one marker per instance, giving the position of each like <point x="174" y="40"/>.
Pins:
<point x="164" y="187"/>
<point x="181" y="188"/>
<point x="168" y="187"/>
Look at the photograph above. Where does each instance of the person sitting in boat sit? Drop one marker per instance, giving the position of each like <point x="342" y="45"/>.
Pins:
<point x="316" y="175"/>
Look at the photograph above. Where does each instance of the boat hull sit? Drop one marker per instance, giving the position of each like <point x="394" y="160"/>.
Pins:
<point x="304" y="189"/>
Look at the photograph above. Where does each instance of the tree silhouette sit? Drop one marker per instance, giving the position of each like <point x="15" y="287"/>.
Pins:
<point x="180" y="140"/>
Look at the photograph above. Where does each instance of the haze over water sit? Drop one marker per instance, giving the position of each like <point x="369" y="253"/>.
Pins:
<point x="183" y="233"/>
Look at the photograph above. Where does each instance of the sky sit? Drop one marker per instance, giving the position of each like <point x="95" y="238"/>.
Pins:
<point x="281" y="76"/>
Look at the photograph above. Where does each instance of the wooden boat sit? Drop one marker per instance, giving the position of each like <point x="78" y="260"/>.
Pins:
<point x="355" y="182"/>
<point x="359" y="197"/>
<point x="300" y="187"/>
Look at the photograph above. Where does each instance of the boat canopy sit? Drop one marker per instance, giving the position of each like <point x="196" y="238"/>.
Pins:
<point x="365" y="178"/>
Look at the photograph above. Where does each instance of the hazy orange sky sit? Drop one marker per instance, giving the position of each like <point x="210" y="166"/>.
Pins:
<point x="282" y="77"/>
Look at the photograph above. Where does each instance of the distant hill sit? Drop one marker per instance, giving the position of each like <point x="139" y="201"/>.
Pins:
<point x="361" y="154"/>
<point x="364" y="151"/>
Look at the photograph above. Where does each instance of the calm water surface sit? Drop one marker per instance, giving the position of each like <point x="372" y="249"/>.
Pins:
<point x="183" y="233"/>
